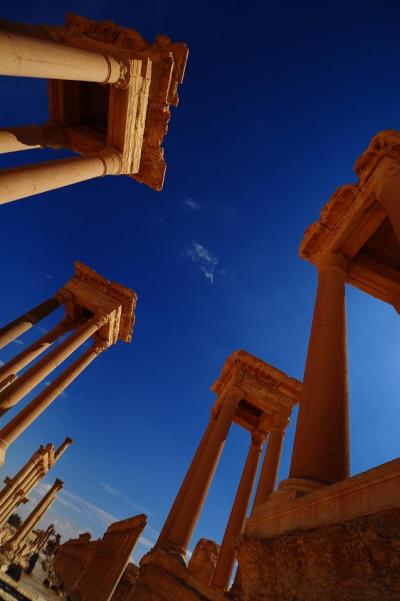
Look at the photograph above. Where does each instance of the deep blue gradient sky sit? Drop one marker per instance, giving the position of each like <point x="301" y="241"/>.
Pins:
<point x="278" y="101"/>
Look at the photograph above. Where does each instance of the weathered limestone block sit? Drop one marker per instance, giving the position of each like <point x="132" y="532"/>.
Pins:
<point x="203" y="561"/>
<point x="348" y="561"/>
<point x="126" y="583"/>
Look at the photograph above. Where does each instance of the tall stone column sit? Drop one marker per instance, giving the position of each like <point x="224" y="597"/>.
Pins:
<point x="21" y="182"/>
<point x="226" y="558"/>
<point x="17" y="327"/>
<point x="175" y="509"/>
<point x="24" y="418"/>
<point x="13" y="366"/>
<point x="34" y="517"/>
<point x="33" y="376"/>
<point x="321" y="446"/>
<point x="270" y="466"/>
<point x="185" y="522"/>
<point x="24" y="56"/>
<point x="388" y="196"/>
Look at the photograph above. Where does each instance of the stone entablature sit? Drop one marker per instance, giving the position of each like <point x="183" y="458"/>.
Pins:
<point x="357" y="223"/>
<point x="267" y="391"/>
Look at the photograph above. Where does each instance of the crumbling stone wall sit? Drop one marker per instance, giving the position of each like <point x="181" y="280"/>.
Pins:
<point x="351" y="561"/>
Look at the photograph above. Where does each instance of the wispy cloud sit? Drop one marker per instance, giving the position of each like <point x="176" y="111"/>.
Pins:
<point x="48" y="276"/>
<point x="115" y="492"/>
<point x="193" y="204"/>
<point x="1" y="363"/>
<point x="206" y="261"/>
<point x="19" y="342"/>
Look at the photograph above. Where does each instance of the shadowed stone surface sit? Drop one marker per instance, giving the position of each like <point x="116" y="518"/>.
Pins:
<point x="354" y="560"/>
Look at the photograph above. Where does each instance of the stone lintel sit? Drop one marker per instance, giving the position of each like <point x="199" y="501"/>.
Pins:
<point x="375" y="490"/>
<point x="267" y="391"/>
<point x="88" y="291"/>
<point x="354" y="224"/>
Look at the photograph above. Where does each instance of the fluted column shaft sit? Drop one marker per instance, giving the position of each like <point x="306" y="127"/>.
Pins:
<point x="25" y="56"/>
<point x="14" y="329"/>
<point x="321" y="446"/>
<point x="29" y="180"/>
<point x="34" y="375"/>
<point x="35" y="516"/>
<point x="226" y="558"/>
<point x="175" y="509"/>
<point x="24" y="418"/>
<point x="182" y="529"/>
<point x="270" y="466"/>
<point x="13" y="483"/>
<point x="34" y="350"/>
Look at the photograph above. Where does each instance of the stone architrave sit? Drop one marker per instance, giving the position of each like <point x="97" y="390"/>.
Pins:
<point x="109" y="96"/>
<point x="109" y="560"/>
<point x="95" y="309"/>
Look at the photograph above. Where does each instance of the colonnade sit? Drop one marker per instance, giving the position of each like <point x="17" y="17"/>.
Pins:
<point x="183" y="516"/>
<point x="18" y="488"/>
<point x="13" y="389"/>
<point x="43" y="537"/>
<point x="14" y="546"/>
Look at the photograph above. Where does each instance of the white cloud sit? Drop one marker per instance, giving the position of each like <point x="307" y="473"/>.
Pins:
<point x="48" y="276"/>
<point x="120" y="495"/>
<point x="1" y="363"/>
<point x="204" y="259"/>
<point x="193" y="204"/>
<point x="19" y="342"/>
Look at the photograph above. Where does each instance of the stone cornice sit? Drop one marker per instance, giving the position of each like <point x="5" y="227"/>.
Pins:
<point x="241" y="363"/>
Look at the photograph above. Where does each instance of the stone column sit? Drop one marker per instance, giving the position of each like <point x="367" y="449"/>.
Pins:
<point x="321" y="446"/>
<point x="36" y="374"/>
<point x="21" y="182"/>
<point x="12" y="484"/>
<point x="24" y="56"/>
<point x="226" y="558"/>
<point x="34" y="517"/>
<point x="175" y="509"/>
<point x="24" y="418"/>
<point x="182" y="529"/>
<point x="62" y="448"/>
<point x="13" y="366"/>
<point x="15" y="139"/>
<point x="14" y="329"/>
<point x="270" y="466"/>
<point x="388" y="195"/>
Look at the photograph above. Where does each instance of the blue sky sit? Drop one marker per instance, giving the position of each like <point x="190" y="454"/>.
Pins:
<point x="277" y="104"/>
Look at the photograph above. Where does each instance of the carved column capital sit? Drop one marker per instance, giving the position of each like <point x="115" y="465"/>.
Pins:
<point x="332" y="260"/>
<point x="234" y="394"/>
<point x="100" y="346"/>
<point x="279" y="423"/>
<point x="258" y="438"/>
<point x="100" y="319"/>
<point x="64" y="296"/>
<point x="112" y="161"/>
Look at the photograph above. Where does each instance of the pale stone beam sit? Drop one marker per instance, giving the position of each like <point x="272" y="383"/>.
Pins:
<point x="14" y="329"/>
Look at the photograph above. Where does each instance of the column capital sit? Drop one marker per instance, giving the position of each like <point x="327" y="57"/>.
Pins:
<point x="332" y="260"/>
<point x="100" y="346"/>
<point x="233" y="394"/>
<point x="100" y="319"/>
<point x="279" y="423"/>
<point x="257" y="438"/>
<point x="112" y="160"/>
<point x="64" y="296"/>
